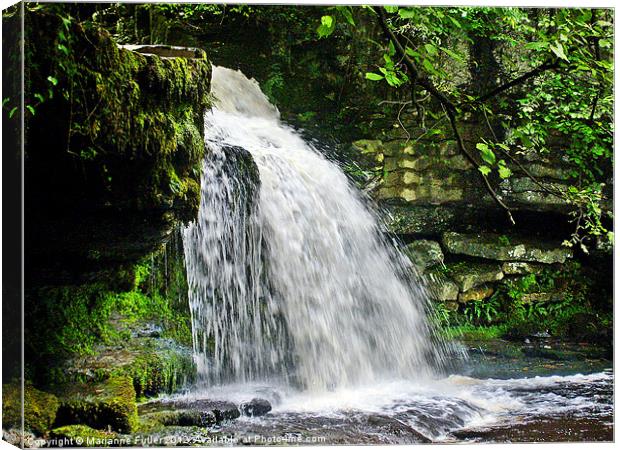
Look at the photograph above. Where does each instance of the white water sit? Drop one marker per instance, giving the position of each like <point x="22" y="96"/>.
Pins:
<point x="432" y="407"/>
<point x="296" y="297"/>
<point x="303" y="285"/>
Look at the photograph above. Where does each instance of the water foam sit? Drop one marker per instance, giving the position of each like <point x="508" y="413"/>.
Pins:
<point x="305" y="285"/>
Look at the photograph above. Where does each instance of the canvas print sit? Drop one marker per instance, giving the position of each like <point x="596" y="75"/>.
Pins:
<point x="231" y="224"/>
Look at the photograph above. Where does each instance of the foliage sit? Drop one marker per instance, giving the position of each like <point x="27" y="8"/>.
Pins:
<point x="482" y="312"/>
<point x="557" y="103"/>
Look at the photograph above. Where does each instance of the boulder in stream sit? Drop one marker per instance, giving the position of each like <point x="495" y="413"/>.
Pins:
<point x="255" y="407"/>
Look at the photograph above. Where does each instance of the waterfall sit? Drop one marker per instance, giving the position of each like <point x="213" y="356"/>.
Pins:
<point x="291" y="276"/>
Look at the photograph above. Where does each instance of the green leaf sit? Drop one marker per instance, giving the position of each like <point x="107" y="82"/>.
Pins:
<point x="12" y="112"/>
<point x="504" y="172"/>
<point x="391" y="9"/>
<point x="346" y="12"/>
<point x="63" y="49"/>
<point x="31" y="109"/>
<point x="52" y="80"/>
<point x="430" y="49"/>
<point x="66" y="21"/>
<point x="373" y="76"/>
<point x="409" y="51"/>
<point x="408" y="13"/>
<point x="486" y="153"/>
<point x="452" y="54"/>
<point x="327" y="26"/>
<point x="391" y="49"/>
<point x="484" y="170"/>
<point x="558" y="50"/>
<point x="428" y="65"/>
<point x="39" y="97"/>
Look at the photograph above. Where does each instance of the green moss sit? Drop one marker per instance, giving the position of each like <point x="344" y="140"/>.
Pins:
<point x="39" y="408"/>
<point x="154" y="371"/>
<point x="83" y="436"/>
<point x="131" y="120"/>
<point x="110" y="404"/>
<point x="70" y="319"/>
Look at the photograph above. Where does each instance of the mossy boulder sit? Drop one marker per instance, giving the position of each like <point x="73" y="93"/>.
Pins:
<point x="155" y="365"/>
<point x="83" y="436"/>
<point x="476" y="294"/>
<point x="114" y="153"/>
<point x="503" y="248"/>
<point x="424" y="253"/>
<point x="109" y="405"/>
<point x="468" y="275"/>
<point x="39" y="408"/>
<point x="181" y="412"/>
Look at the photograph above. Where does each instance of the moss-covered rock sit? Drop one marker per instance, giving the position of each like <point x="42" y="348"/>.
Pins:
<point x="119" y="139"/>
<point x="468" y="275"/>
<point x="476" y="294"/>
<point x="424" y="253"/>
<point x="39" y="408"/>
<point x="155" y="365"/>
<point x="188" y="413"/>
<point x="492" y="246"/>
<point x="83" y="436"/>
<point x="110" y="404"/>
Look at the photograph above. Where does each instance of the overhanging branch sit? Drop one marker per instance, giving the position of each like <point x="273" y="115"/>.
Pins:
<point x="448" y="106"/>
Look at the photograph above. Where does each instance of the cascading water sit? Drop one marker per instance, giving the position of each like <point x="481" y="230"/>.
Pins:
<point x="292" y="284"/>
<point x="297" y="278"/>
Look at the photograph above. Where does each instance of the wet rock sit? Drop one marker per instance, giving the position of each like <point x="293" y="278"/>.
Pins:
<point x="167" y="51"/>
<point x="491" y="246"/>
<point x="202" y="412"/>
<point x="443" y="289"/>
<point x="255" y="407"/>
<point x="148" y="330"/>
<point x="476" y="294"/>
<point x="394" y="427"/>
<point x="519" y="268"/>
<point x="82" y="436"/>
<point x="109" y="405"/>
<point x="182" y="418"/>
<point x="39" y="408"/>
<point x="470" y="275"/>
<point x="424" y="253"/>
<point x="155" y="365"/>
<point x="524" y="191"/>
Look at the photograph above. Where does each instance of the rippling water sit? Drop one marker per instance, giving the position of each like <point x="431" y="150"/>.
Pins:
<point x="301" y="301"/>
<point x="441" y="410"/>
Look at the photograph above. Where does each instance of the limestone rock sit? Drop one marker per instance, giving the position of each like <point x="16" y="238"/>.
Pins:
<point x="203" y="412"/>
<point x="156" y="365"/>
<point x="492" y="246"/>
<point x="424" y="253"/>
<point x="475" y="294"/>
<point x="468" y="276"/>
<point x="110" y="404"/>
<point x="443" y="290"/>
<point x="519" y="268"/>
<point x="39" y="408"/>
<point x="368" y="146"/>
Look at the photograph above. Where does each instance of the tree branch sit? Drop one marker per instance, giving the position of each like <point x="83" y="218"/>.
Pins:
<point x="448" y="106"/>
<point x="415" y="74"/>
<point x="547" y="65"/>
